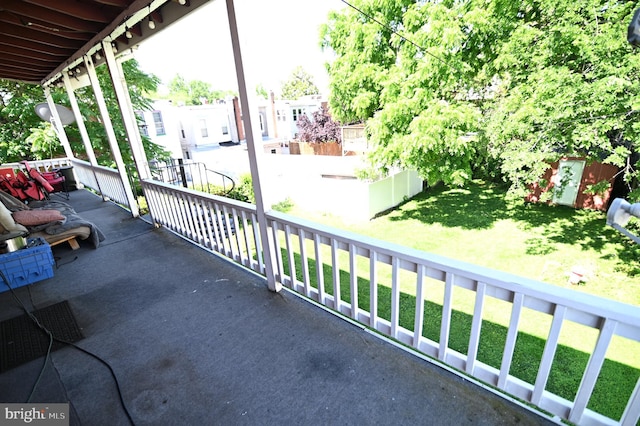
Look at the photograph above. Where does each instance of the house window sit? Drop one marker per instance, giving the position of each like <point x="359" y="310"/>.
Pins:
<point x="282" y="116"/>
<point x="204" y="132"/>
<point x="157" y="120"/>
<point x="298" y="112"/>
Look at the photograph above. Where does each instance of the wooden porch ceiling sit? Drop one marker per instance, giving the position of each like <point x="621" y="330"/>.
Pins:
<point x="39" y="38"/>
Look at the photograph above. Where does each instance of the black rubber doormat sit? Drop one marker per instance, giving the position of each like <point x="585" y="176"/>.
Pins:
<point x="21" y="340"/>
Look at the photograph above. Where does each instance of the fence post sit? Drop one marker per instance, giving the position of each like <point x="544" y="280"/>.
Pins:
<point x="183" y="175"/>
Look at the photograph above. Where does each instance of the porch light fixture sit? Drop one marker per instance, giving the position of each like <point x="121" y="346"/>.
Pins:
<point x="128" y="34"/>
<point x="619" y="214"/>
<point x="155" y="18"/>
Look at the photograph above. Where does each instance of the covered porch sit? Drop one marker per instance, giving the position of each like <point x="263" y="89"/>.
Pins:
<point x="180" y="306"/>
<point x="195" y="339"/>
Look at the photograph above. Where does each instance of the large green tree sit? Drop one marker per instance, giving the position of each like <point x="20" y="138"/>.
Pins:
<point x="300" y="83"/>
<point x="459" y="88"/>
<point x="194" y="92"/>
<point x="18" y="118"/>
<point x="23" y="136"/>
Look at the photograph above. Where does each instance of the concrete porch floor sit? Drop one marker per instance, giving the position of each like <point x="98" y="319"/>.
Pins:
<point x="195" y="339"/>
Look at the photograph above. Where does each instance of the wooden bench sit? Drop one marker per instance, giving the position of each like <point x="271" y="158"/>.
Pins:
<point x="73" y="242"/>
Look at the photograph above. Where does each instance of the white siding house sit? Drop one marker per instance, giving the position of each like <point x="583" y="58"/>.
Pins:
<point x="204" y="125"/>
<point x="183" y="129"/>
<point x="162" y="126"/>
<point x="288" y="112"/>
<point x="180" y="129"/>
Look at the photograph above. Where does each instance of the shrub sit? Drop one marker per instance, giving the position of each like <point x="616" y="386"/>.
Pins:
<point x="243" y="191"/>
<point x="370" y="174"/>
<point x="283" y="206"/>
<point x="321" y="128"/>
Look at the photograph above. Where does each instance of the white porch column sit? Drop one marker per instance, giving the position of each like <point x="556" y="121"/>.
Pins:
<point x="128" y="114"/>
<point x="79" y="120"/>
<point x="113" y="141"/>
<point x="254" y="154"/>
<point x="57" y="124"/>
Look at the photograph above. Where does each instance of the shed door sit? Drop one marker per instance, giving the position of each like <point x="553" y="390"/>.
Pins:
<point x="567" y="182"/>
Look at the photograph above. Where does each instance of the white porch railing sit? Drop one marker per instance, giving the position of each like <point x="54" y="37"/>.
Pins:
<point x="219" y="224"/>
<point x="103" y="180"/>
<point x="42" y="165"/>
<point x="85" y="174"/>
<point x="356" y="275"/>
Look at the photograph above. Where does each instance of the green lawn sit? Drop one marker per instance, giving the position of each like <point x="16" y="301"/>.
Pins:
<point x="479" y="226"/>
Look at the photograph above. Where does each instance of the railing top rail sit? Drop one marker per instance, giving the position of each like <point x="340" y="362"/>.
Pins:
<point x="77" y="160"/>
<point x="204" y="196"/>
<point x="19" y="164"/>
<point x="606" y="308"/>
<point x="186" y="163"/>
<point x="98" y="167"/>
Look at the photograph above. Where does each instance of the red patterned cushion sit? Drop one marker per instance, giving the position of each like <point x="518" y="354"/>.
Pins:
<point x="37" y="217"/>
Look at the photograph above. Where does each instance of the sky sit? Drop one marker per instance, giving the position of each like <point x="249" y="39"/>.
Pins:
<point x="276" y="36"/>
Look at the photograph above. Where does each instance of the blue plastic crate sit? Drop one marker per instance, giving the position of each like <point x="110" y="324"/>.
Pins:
<point x="27" y="265"/>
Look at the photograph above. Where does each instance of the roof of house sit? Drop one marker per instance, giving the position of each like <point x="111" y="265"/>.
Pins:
<point x="41" y="38"/>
